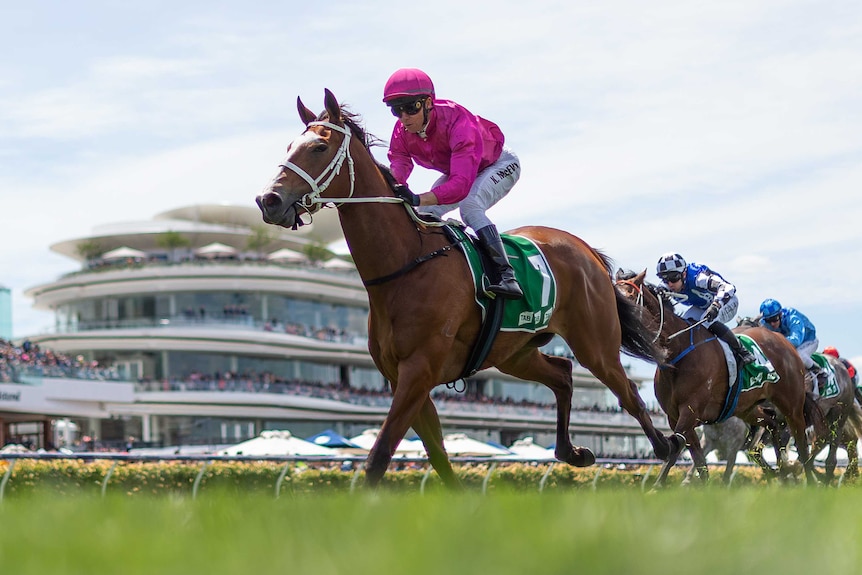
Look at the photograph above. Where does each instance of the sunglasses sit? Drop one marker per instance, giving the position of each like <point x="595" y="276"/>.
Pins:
<point x="672" y="277"/>
<point x="772" y="319"/>
<point x="410" y="108"/>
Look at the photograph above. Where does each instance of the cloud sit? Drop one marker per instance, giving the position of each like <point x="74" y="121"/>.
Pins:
<point x="728" y="132"/>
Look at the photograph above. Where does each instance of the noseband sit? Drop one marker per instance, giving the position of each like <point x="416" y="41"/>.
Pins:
<point x="318" y="185"/>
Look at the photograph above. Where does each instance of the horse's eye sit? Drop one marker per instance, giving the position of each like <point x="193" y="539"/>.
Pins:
<point x="320" y="147"/>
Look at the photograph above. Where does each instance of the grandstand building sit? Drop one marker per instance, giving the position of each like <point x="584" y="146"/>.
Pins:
<point x="203" y="326"/>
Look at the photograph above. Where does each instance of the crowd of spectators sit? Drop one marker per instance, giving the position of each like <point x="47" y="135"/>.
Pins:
<point x="327" y="333"/>
<point x="29" y="359"/>
<point x="266" y="382"/>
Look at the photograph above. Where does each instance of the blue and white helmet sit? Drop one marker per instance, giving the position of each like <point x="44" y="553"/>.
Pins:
<point x="669" y="263"/>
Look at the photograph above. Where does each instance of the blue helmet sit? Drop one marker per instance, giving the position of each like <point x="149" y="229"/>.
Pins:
<point x="770" y="308"/>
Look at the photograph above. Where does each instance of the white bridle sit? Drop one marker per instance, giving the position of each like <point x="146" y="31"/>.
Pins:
<point x="312" y="200"/>
<point x="319" y="184"/>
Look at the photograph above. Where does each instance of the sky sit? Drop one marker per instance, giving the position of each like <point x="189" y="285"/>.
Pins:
<point x="728" y="132"/>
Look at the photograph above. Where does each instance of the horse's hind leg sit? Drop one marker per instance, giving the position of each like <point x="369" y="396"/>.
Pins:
<point x="556" y="374"/>
<point x="603" y="360"/>
<point x="427" y="427"/>
<point x="851" y="443"/>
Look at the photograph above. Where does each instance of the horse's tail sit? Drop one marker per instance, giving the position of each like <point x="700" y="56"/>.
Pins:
<point x="814" y="416"/>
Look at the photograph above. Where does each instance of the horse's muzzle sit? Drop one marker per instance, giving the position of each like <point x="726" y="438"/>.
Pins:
<point x="273" y="208"/>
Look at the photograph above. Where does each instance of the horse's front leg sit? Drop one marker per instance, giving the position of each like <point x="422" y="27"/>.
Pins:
<point x="697" y="454"/>
<point x="754" y="452"/>
<point x="681" y="427"/>
<point x="411" y="393"/>
<point x="835" y="435"/>
<point x="429" y="430"/>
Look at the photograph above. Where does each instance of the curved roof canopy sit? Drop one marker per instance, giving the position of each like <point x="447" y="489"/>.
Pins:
<point x="204" y="224"/>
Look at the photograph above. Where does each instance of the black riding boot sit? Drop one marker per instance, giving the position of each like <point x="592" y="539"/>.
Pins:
<point x="722" y="332"/>
<point x="505" y="285"/>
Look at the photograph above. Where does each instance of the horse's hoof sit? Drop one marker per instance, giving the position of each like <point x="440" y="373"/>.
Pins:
<point x="578" y="457"/>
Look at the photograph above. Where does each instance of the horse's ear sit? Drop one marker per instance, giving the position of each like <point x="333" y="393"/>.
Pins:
<point x="332" y="106"/>
<point x="306" y="115"/>
<point x="639" y="279"/>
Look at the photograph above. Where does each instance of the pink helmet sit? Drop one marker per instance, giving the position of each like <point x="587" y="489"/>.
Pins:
<point x="407" y="82"/>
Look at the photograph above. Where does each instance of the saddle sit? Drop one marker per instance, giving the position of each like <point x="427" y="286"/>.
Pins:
<point x="744" y="378"/>
<point x="828" y="388"/>
<point x="531" y="313"/>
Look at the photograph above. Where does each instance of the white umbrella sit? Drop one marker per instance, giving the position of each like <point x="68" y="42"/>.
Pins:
<point x="286" y="255"/>
<point x="524" y="448"/>
<point x="123" y="253"/>
<point x="216" y="249"/>
<point x="712" y="457"/>
<point x="406" y="448"/>
<point x="277" y="443"/>
<point x="338" y="264"/>
<point x="840" y="453"/>
<point x="460" y="444"/>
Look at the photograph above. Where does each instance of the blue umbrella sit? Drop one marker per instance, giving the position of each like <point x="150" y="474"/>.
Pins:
<point x="330" y="438"/>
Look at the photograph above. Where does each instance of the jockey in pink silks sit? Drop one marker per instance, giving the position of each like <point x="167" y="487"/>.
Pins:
<point x="478" y="170"/>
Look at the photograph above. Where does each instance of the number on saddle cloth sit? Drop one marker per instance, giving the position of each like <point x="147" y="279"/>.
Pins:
<point x="761" y="371"/>
<point x="749" y="376"/>
<point x="830" y="388"/>
<point x="531" y="313"/>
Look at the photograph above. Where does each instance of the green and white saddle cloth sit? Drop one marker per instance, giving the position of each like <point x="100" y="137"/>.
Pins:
<point x="830" y="388"/>
<point x="759" y="373"/>
<point x="531" y="313"/>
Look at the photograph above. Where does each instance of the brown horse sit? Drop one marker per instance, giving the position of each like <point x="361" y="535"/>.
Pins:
<point x="694" y="390"/>
<point x="841" y="412"/>
<point x="844" y="419"/>
<point x="424" y="320"/>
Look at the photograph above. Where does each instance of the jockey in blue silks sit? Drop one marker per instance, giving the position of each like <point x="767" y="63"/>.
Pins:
<point x="711" y="298"/>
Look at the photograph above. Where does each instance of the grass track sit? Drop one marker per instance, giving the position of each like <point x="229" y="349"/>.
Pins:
<point x="753" y="530"/>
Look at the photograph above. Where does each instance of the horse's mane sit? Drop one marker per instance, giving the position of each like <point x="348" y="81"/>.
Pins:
<point x="354" y="121"/>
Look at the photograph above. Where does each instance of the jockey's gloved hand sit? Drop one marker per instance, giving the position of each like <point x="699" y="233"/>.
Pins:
<point x="405" y="194"/>
<point x="712" y="311"/>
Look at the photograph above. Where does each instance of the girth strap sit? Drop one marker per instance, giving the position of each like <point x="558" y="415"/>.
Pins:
<point x="487" y="335"/>
<point x="420" y="260"/>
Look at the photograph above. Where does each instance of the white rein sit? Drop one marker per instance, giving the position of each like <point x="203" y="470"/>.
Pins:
<point x="321" y="183"/>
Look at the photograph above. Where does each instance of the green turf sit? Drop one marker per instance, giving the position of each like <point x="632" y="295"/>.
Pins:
<point x="750" y="530"/>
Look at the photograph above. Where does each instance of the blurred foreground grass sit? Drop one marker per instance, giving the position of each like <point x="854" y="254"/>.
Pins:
<point x="713" y="530"/>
